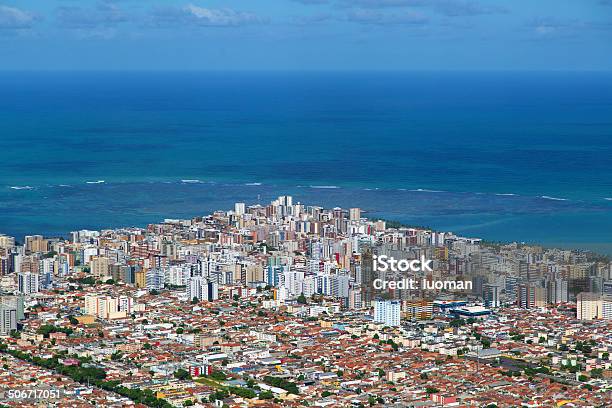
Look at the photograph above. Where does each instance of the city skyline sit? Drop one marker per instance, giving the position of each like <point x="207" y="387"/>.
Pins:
<point x="272" y="305"/>
<point x="306" y="203"/>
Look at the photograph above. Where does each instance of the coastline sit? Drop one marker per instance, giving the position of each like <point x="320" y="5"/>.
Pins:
<point x="96" y="204"/>
<point x="138" y="147"/>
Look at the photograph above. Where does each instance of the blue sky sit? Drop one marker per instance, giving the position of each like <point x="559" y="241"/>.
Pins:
<point x="306" y="34"/>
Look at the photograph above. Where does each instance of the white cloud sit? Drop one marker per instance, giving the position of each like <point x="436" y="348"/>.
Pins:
<point x="104" y="15"/>
<point x="192" y="15"/>
<point x="364" y="16"/>
<point x="312" y="2"/>
<point x="220" y="17"/>
<point x="12" y="18"/>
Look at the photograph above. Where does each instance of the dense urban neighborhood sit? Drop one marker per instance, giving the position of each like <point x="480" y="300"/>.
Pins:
<point x="281" y="306"/>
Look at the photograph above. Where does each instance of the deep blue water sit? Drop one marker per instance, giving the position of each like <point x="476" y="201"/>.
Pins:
<point x="470" y="139"/>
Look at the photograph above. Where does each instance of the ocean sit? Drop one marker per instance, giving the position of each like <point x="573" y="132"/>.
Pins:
<point x="504" y="156"/>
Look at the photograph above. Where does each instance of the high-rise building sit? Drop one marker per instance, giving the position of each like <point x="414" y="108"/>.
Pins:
<point x="35" y="243"/>
<point x="84" y="236"/>
<point x="556" y="291"/>
<point x="14" y="302"/>
<point x="478" y="282"/>
<point x="418" y="309"/>
<point x="596" y="284"/>
<point x="107" y="307"/>
<point x="338" y="213"/>
<point x="308" y="287"/>
<point x="125" y="304"/>
<point x="333" y="285"/>
<point x="202" y="289"/>
<point x="8" y="320"/>
<point x="88" y="253"/>
<point x="292" y="281"/>
<point x="177" y="275"/>
<point x="140" y="279"/>
<point x="511" y="287"/>
<point x="354" y="300"/>
<point x="491" y="293"/>
<point x="239" y="209"/>
<point x="99" y="266"/>
<point x="387" y="312"/>
<point x="589" y="306"/>
<point x="4" y="265"/>
<point x="28" y="283"/>
<point x="155" y="279"/>
<point x="6" y="242"/>
<point x="606" y="307"/>
<point x="273" y="274"/>
<point x="606" y="289"/>
<point x="128" y="274"/>
<point x="354" y="214"/>
<point x="530" y="296"/>
<point x="367" y="277"/>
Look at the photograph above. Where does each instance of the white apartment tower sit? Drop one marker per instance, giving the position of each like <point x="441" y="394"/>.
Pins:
<point x="239" y="209"/>
<point x="387" y="312"/>
<point x="28" y="283"/>
<point x="589" y="306"/>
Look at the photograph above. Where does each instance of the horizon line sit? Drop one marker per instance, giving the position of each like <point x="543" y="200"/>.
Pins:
<point x="304" y="70"/>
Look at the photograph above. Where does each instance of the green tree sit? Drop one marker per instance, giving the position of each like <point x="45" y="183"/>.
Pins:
<point x="242" y="392"/>
<point x="218" y="375"/>
<point x="266" y="395"/>
<point x="596" y="373"/>
<point x="457" y="323"/>
<point x="47" y="329"/>
<point x="182" y="374"/>
<point x="282" y="383"/>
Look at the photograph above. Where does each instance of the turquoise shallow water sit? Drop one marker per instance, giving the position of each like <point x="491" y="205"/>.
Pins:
<point x="503" y="156"/>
